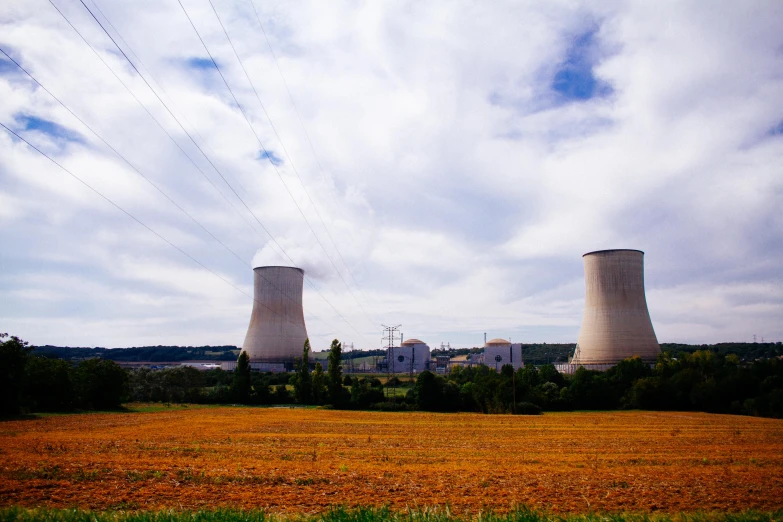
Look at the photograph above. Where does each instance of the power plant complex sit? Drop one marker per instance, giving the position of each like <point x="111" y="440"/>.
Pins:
<point x="616" y="324"/>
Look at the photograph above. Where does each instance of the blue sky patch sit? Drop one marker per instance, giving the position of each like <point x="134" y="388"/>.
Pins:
<point x="7" y="66"/>
<point x="574" y="79"/>
<point x="271" y="156"/>
<point x="777" y="131"/>
<point x="48" y="127"/>
<point x="200" y="63"/>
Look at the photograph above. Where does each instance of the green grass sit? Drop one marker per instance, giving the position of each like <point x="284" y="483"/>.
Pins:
<point x="398" y="393"/>
<point x="369" y="515"/>
<point x="132" y="407"/>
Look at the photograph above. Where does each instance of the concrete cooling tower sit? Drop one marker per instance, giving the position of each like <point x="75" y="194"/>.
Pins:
<point x="616" y="324"/>
<point x="277" y="331"/>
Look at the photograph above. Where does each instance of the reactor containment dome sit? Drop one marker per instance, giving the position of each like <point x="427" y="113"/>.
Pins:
<point x="277" y="332"/>
<point x="499" y="352"/>
<point x="616" y="323"/>
<point x="412" y="356"/>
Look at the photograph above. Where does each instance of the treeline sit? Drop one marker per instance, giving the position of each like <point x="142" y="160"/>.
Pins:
<point x="745" y="351"/>
<point x="162" y="353"/>
<point x="143" y="353"/>
<point x="29" y="383"/>
<point x="317" y="387"/>
<point x="704" y="380"/>
<point x="698" y="381"/>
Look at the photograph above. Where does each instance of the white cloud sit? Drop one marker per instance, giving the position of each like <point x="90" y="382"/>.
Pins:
<point x="460" y="189"/>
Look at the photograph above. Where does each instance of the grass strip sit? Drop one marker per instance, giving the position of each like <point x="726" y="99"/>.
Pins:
<point x="339" y="514"/>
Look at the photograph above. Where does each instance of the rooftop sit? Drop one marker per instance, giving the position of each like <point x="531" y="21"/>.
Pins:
<point x="612" y="250"/>
<point x="498" y="341"/>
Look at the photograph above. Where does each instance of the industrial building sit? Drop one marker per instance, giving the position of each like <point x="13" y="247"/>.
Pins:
<point x="616" y="323"/>
<point x="277" y="332"/>
<point x="499" y="352"/>
<point x="412" y="356"/>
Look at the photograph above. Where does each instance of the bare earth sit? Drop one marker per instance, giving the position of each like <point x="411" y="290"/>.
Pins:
<point x="296" y="460"/>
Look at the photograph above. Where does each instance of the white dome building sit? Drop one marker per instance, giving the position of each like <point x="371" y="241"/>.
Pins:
<point x="412" y="356"/>
<point x="499" y="352"/>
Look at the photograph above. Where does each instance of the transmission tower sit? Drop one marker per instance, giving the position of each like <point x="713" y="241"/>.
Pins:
<point x="390" y="334"/>
<point x="349" y="361"/>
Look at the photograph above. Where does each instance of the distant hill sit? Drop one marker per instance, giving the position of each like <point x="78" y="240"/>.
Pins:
<point x="352" y="354"/>
<point x="142" y="353"/>
<point x="542" y="353"/>
<point x="533" y="353"/>
<point x="745" y="351"/>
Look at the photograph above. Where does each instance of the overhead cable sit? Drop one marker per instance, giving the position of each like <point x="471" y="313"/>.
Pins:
<point x="285" y="151"/>
<point x="150" y="182"/>
<point x="282" y="252"/>
<point x="137" y="220"/>
<point x="277" y="171"/>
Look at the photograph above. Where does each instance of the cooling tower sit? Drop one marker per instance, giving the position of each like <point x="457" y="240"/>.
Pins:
<point x="277" y="329"/>
<point x="616" y="324"/>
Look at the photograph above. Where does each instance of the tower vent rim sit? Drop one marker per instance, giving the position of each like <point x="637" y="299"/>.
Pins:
<point x="613" y="250"/>
<point x="278" y="266"/>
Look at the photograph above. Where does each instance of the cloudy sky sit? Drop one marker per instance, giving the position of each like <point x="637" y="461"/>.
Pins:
<point x="439" y="165"/>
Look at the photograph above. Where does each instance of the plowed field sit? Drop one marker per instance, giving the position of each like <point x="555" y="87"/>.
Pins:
<point x="294" y="460"/>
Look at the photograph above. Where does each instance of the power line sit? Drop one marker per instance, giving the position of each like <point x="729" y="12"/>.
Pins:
<point x="285" y="150"/>
<point x="212" y="163"/>
<point x="180" y="124"/>
<point x="155" y="186"/>
<point x="301" y="121"/>
<point x="162" y="89"/>
<point x="274" y="241"/>
<point x="252" y="129"/>
<point x="160" y="125"/>
<point x="284" y="255"/>
<point x="290" y="96"/>
<point x="137" y="220"/>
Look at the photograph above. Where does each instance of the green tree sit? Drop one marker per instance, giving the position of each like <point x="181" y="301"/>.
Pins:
<point x="548" y="373"/>
<point x="319" y="384"/>
<point x="591" y="390"/>
<point x="303" y="384"/>
<point x="334" y="373"/>
<point x="240" y="387"/>
<point x="183" y="384"/>
<point x="100" y="384"/>
<point x="427" y="392"/>
<point x="281" y="395"/>
<point x="13" y="357"/>
<point x="48" y="384"/>
<point x="365" y="392"/>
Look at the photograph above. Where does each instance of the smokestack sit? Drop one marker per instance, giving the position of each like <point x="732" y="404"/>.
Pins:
<point x="277" y="329"/>
<point x="616" y="323"/>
